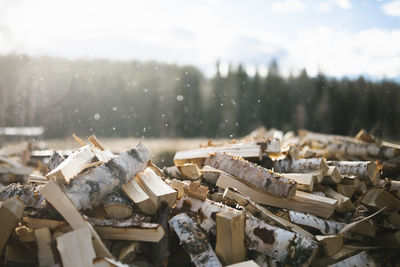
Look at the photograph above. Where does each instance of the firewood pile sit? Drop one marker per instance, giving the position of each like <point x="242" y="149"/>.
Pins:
<point x="268" y="199"/>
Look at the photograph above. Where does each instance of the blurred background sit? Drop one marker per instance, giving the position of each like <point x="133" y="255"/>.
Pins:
<point x="198" y="69"/>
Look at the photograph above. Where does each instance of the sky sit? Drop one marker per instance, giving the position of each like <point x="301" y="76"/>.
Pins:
<point x="338" y="37"/>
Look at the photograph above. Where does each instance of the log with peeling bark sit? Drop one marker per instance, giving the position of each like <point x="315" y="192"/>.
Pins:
<point x="11" y="212"/>
<point x="360" y="259"/>
<point x="288" y="165"/>
<point x="302" y="201"/>
<point x="116" y="206"/>
<point x="365" y="170"/>
<point x="28" y="194"/>
<point x="86" y="190"/>
<point x="266" y="180"/>
<point x="72" y="165"/>
<point x="194" y="241"/>
<point x="55" y="160"/>
<point x="280" y="244"/>
<point x="326" y="227"/>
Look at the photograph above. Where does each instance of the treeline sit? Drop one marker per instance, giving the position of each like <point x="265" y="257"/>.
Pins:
<point x="132" y="98"/>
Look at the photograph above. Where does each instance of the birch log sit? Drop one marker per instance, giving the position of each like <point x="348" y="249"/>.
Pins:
<point x="326" y="227"/>
<point x="300" y="165"/>
<point x="266" y="180"/>
<point x="285" y="246"/>
<point x="364" y="170"/>
<point x="116" y="206"/>
<point x="194" y="241"/>
<point x="360" y="259"/>
<point x="86" y="190"/>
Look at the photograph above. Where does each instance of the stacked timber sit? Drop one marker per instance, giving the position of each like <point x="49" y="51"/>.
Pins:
<point x="271" y="198"/>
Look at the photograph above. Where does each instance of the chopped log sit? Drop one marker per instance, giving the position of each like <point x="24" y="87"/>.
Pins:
<point x="87" y="189"/>
<point x="183" y="172"/>
<point x="194" y="241"/>
<point x="344" y="204"/>
<point x="266" y="180"/>
<point x="324" y="226"/>
<point x="332" y="176"/>
<point x="271" y="146"/>
<point x="156" y="188"/>
<point x="125" y="251"/>
<point x="160" y="250"/>
<point x="302" y="201"/>
<point x="25" y="234"/>
<point x="129" y="229"/>
<point x="346" y="190"/>
<point x="210" y="174"/>
<point x="19" y="255"/>
<point x="173" y="172"/>
<point x="198" y="156"/>
<point x="365" y="170"/>
<point x="249" y="263"/>
<point x="280" y="244"/>
<point x="139" y="197"/>
<point x="301" y="165"/>
<point x="180" y="186"/>
<point x="392" y="185"/>
<point x="71" y="166"/>
<point x="55" y="160"/>
<point x="305" y="181"/>
<point x="102" y="154"/>
<point x="262" y="213"/>
<point x="28" y="194"/>
<point x="360" y="259"/>
<point x="11" y="212"/>
<point x="196" y="190"/>
<point x="66" y="208"/>
<point x="378" y="198"/>
<point x="76" y="248"/>
<point x="230" y="247"/>
<point x="45" y="251"/>
<point x="116" y="206"/>
<point x="331" y="244"/>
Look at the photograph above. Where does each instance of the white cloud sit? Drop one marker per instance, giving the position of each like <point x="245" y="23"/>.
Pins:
<point x="329" y="5"/>
<point x="392" y="8"/>
<point x="284" y="6"/>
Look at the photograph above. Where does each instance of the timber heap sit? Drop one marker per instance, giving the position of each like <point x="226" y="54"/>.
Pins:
<point x="269" y="199"/>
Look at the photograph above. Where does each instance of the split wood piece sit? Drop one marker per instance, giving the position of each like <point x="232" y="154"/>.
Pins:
<point x="278" y="243"/>
<point x="249" y="263"/>
<point x="301" y="165"/>
<point x="106" y="262"/>
<point x="332" y="176"/>
<point x="363" y="135"/>
<point x="271" y="146"/>
<point x="89" y="188"/>
<point x="38" y="179"/>
<point x="266" y="180"/>
<point x="116" y="206"/>
<point x="160" y="250"/>
<point x="156" y="188"/>
<point x="344" y="203"/>
<point x="324" y="226"/>
<point x="394" y="218"/>
<point x="128" y="230"/>
<point x="342" y="254"/>
<point x="365" y="170"/>
<point x="139" y="197"/>
<point x="360" y="259"/>
<point x="45" y="251"/>
<point x="302" y="201"/>
<point x="305" y="181"/>
<point x="210" y="174"/>
<point x="179" y="186"/>
<point x="353" y="226"/>
<point x="66" y="208"/>
<point x="230" y="247"/>
<point x="196" y="190"/>
<point x="377" y="198"/>
<point x="78" y="140"/>
<point x="331" y="244"/>
<point x="194" y="241"/>
<point x="37" y="223"/>
<point x="25" y="234"/>
<point x="263" y="213"/>
<point x="392" y="185"/>
<point x="346" y="190"/>
<point x="365" y="227"/>
<point x="11" y="212"/>
<point x="198" y="156"/>
<point x="55" y="160"/>
<point x="71" y="166"/>
<point x="102" y="154"/>
<point x="19" y="255"/>
<point x="125" y="251"/>
<point x="76" y="248"/>
<point x="183" y="172"/>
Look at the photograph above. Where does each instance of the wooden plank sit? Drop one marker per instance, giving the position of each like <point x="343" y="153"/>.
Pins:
<point x="139" y="197"/>
<point x="265" y="180"/>
<point x="45" y="251"/>
<point x="76" y="248"/>
<point x="64" y="206"/>
<point x="302" y="201"/>
<point x="230" y="247"/>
